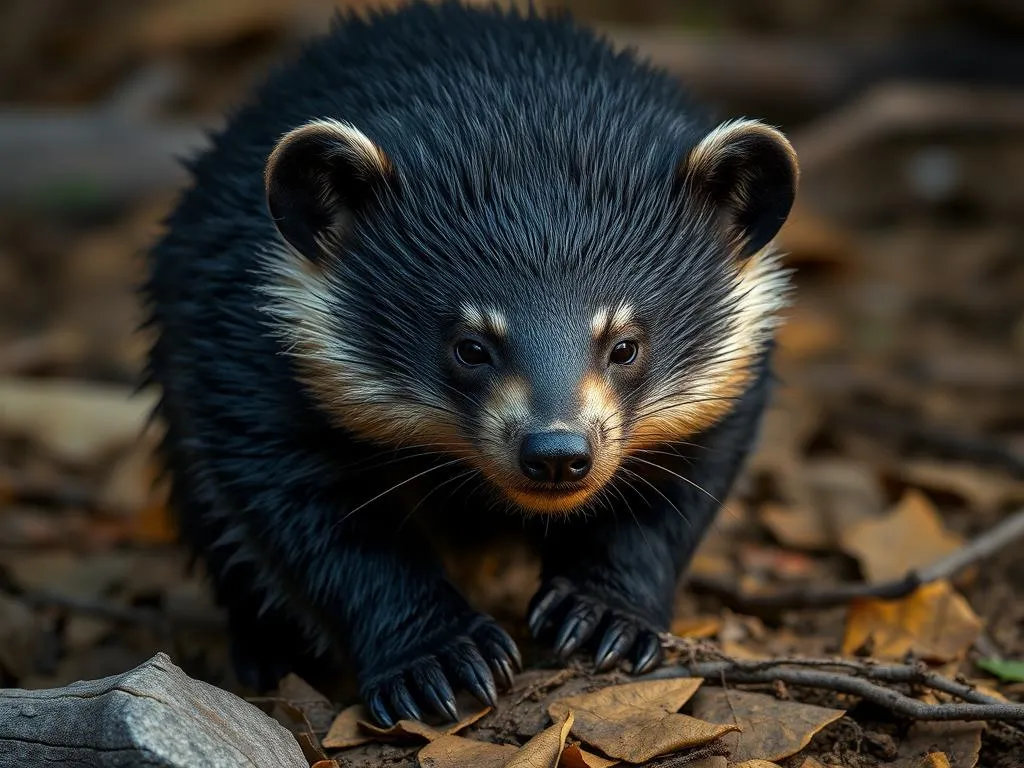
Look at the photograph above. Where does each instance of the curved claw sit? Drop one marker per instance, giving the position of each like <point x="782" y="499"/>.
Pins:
<point x="617" y="640"/>
<point x="475" y="674"/>
<point x="403" y="702"/>
<point x="436" y="691"/>
<point x="379" y="711"/>
<point x="647" y="654"/>
<point x="541" y="611"/>
<point x="578" y="628"/>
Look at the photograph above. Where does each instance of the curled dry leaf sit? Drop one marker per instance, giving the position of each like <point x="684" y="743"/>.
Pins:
<point x="451" y="751"/>
<point x="353" y="726"/>
<point x="317" y="708"/>
<point x="545" y="749"/>
<point x="934" y="623"/>
<point x="770" y="729"/>
<point x="911" y="536"/>
<point x="637" y="722"/>
<point x="542" y="751"/>
<point x="574" y="756"/>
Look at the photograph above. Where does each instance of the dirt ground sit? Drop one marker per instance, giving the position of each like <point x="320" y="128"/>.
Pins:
<point x="896" y="435"/>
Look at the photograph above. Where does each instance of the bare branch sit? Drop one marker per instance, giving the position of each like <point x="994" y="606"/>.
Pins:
<point x="802" y="598"/>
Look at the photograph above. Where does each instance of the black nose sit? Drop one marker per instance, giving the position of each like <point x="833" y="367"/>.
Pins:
<point x="555" y="457"/>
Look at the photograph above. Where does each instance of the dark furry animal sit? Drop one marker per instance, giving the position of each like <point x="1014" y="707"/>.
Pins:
<point x="461" y="270"/>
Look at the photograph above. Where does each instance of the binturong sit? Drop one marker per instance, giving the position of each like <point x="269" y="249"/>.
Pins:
<point x="452" y="273"/>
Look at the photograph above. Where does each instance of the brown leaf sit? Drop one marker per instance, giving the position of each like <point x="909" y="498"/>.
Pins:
<point x="545" y="749"/>
<point x="771" y="729"/>
<point x="831" y="496"/>
<point x="353" y="726"/>
<point x="958" y="742"/>
<point x="983" y="489"/>
<point x="935" y="760"/>
<point x="696" y="626"/>
<point x="574" y="756"/>
<point x="910" y="537"/>
<point x="637" y="722"/>
<point x="316" y="707"/>
<point x="935" y="623"/>
<point x="457" y="752"/>
<point x="658" y="696"/>
<point x="755" y="764"/>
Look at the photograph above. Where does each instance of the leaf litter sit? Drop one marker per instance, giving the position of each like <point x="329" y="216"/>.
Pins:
<point x="901" y="396"/>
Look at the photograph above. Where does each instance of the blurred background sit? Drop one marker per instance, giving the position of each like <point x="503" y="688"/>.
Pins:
<point x="902" y="363"/>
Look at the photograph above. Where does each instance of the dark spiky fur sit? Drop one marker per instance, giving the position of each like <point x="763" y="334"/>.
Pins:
<point x="526" y="166"/>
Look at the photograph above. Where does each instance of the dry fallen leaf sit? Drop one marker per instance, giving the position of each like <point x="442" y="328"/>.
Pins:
<point x="935" y="760"/>
<point x="810" y="762"/>
<point x="545" y="749"/>
<point x="696" y="626"/>
<point x="755" y="764"/>
<point x="912" y="536"/>
<point x="957" y="742"/>
<point x="353" y="726"/>
<point x="637" y="722"/>
<point x="326" y="764"/>
<point x="935" y="623"/>
<point x="574" y="756"/>
<point x="457" y="752"/>
<point x="983" y="489"/>
<point x="314" y="706"/>
<point x="771" y="729"/>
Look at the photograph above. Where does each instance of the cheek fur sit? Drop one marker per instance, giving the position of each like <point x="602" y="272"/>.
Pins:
<point x="305" y="305"/>
<point x="693" y="401"/>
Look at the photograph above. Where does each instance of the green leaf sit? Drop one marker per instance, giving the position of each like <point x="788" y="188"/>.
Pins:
<point x="1009" y="671"/>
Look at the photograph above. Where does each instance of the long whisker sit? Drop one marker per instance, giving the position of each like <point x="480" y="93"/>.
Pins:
<point x="395" y="487"/>
<point x="677" y="475"/>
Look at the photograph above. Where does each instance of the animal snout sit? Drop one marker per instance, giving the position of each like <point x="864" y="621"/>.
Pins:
<point x="555" y="457"/>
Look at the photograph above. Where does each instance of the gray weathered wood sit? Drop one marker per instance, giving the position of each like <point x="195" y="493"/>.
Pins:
<point x="153" y="715"/>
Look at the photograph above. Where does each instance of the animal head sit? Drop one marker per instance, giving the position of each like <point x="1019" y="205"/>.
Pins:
<point x="539" y="312"/>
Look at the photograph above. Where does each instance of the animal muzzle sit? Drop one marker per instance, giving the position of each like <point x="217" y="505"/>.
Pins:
<point x="556" y="457"/>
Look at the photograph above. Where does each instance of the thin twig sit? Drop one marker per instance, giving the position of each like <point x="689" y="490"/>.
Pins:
<point x="802" y="598"/>
<point x="853" y="682"/>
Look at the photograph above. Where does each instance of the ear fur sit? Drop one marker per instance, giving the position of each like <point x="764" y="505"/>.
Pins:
<point x="748" y="173"/>
<point x="318" y="178"/>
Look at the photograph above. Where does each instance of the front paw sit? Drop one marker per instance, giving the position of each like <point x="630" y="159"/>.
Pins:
<point x="471" y="655"/>
<point x="576" y="616"/>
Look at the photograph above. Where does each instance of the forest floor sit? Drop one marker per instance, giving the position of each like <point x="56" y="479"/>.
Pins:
<point x="896" y="436"/>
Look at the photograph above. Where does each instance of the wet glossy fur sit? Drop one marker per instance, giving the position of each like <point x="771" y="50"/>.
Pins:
<point x="307" y="548"/>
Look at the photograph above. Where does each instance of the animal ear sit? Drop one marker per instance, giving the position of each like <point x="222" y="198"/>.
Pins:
<point x="318" y="178"/>
<point x="747" y="172"/>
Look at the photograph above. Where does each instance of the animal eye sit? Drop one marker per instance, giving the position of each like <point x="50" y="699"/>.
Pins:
<point x="624" y="353"/>
<point x="471" y="353"/>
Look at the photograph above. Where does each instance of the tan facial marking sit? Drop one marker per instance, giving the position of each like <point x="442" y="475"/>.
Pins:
<point x="611" y="321"/>
<point x="682" y="409"/>
<point x="486" y="321"/>
<point x="307" y="320"/>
